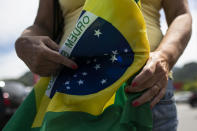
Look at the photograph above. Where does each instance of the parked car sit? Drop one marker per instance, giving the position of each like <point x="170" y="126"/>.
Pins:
<point x="12" y="95"/>
<point x="193" y="99"/>
<point x="2" y="106"/>
<point x="183" y="96"/>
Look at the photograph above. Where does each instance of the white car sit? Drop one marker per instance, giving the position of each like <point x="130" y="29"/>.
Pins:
<point x="183" y="96"/>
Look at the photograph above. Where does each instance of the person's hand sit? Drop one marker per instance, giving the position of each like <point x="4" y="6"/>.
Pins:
<point x="153" y="77"/>
<point x="41" y="55"/>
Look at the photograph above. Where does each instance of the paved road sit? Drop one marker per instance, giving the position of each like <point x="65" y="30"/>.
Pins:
<point x="187" y="118"/>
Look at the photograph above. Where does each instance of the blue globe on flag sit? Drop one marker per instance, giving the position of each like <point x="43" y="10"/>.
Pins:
<point x="100" y="51"/>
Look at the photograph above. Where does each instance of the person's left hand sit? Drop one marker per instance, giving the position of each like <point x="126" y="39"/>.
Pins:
<point x="153" y="77"/>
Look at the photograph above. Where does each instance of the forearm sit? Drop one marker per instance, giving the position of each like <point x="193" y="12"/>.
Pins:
<point x="43" y="24"/>
<point x="176" y="39"/>
<point x="36" y="30"/>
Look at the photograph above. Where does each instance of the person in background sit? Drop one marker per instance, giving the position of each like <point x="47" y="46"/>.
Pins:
<point x="37" y="48"/>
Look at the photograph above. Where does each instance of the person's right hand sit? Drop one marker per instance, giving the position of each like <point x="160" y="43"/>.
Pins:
<point x="41" y="55"/>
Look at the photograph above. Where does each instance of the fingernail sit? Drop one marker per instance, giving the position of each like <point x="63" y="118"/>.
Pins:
<point x="135" y="104"/>
<point x="74" y="67"/>
<point x="126" y="90"/>
<point x="134" y="84"/>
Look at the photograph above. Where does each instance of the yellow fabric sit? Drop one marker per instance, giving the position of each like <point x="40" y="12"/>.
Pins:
<point x="42" y="110"/>
<point x="71" y="11"/>
<point x="42" y="100"/>
<point x="40" y="89"/>
<point x="150" y="9"/>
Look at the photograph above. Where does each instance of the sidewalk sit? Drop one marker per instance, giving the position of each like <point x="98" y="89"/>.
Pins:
<point x="187" y="118"/>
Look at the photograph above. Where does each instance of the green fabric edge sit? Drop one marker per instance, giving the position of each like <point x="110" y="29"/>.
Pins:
<point x="141" y="115"/>
<point x="110" y="120"/>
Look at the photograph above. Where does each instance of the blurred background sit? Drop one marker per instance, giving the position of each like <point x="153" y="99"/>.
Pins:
<point x="16" y="81"/>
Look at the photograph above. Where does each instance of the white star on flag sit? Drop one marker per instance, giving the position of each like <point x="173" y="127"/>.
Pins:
<point x="84" y="73"/>
<point x="97" y="33"/>
<point x="98" y="66"/>
<point x="113" y="58"/>
<point x="80" y="82"/>
<point x="103" y="81"/>
<point x="125" y="50"/>
<point x="115" y="52"/>
<point x="68" y="88"/>
<point x="67" y="82"/>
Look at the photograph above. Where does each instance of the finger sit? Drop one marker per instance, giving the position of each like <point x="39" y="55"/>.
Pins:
<point x="142" y="77"/>
<point x="160" y="77"/>
<point x="51" y="44"/>
<point x="58" y="58"/>
<point x="147" y="84"/>
<point x="50" y="66"/>
<point x="163" y="83"/>
<point x="145" y="74"/>
<point x="46" y="68"/>
<point x="147" y="96"/>
<point x="158" y="98"/>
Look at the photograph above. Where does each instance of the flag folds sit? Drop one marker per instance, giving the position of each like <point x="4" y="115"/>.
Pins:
<point x="109" y="43"/>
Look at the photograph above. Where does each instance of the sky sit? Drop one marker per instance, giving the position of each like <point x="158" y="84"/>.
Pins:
<point x="16" y="15"/>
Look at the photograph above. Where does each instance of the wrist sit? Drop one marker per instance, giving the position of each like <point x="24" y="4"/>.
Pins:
<point x="163" y="59"/>
<point x="169" y="58"/>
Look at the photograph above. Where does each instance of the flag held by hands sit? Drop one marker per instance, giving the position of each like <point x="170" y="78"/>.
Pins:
<point x="110" y="46"/>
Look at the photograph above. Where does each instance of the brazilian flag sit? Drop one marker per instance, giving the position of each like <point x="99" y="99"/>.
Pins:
<point x="109" y="43"/>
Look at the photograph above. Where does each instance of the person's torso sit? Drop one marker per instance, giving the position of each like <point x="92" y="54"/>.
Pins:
<point x="150" y="9"/>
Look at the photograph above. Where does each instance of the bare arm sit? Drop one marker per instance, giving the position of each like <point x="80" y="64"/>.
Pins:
<point x="154" y="75"/>
<point x="35" y="46"/>
<point x="43" y="24"/>
<point x="180" y="27"/>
